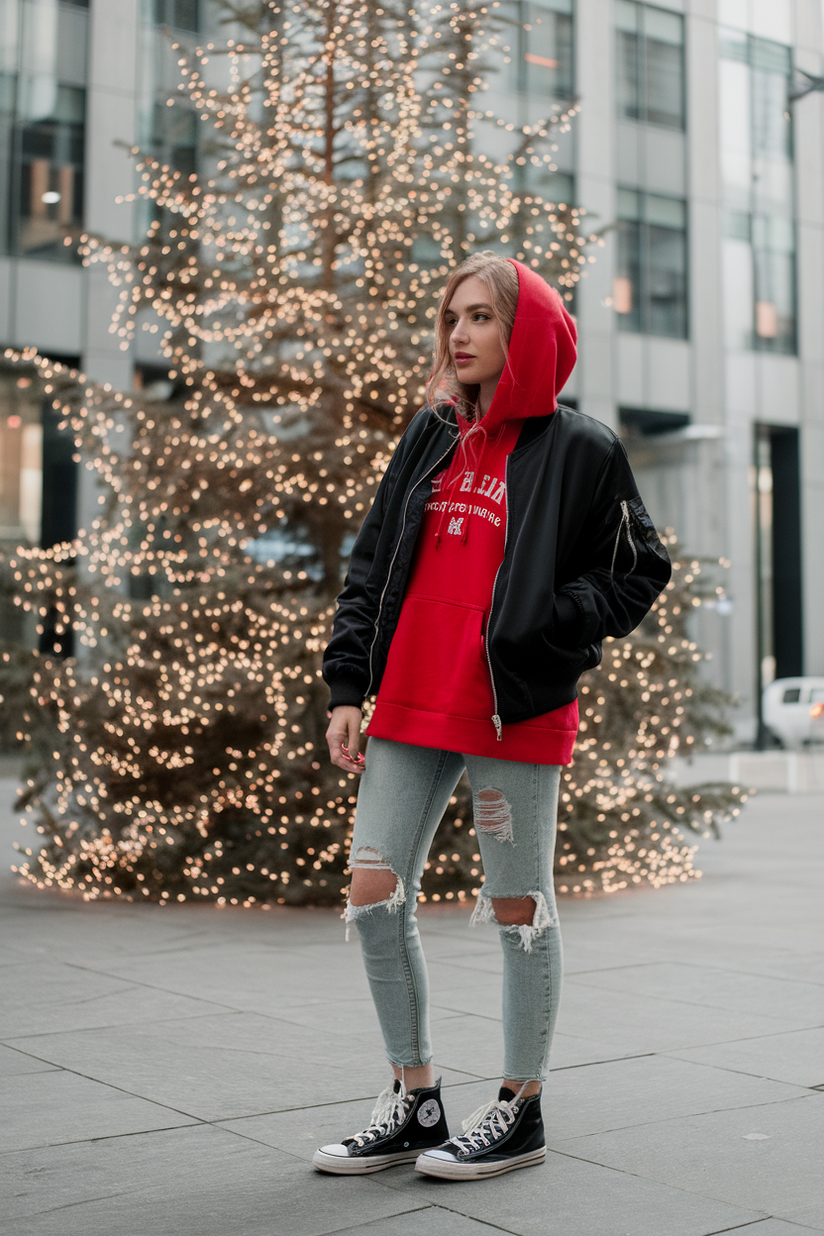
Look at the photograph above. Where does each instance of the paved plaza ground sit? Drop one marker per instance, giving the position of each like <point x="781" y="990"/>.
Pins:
<point x="171" y="1071"/>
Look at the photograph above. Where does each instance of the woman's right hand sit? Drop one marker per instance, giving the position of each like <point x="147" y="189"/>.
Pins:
<point x="343" y="737"/>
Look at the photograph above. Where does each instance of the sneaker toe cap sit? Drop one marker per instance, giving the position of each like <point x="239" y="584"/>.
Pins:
<point x="336" y="1149"/>
<point x="447" y="1155"/>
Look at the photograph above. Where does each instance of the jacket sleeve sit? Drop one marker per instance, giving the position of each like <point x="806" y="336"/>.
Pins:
<point x="626" y="567"/>
<point x="346" y="668"/>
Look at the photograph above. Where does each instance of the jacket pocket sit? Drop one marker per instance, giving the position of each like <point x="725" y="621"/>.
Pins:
<point x="437" y="661"/>
<point x="643" y="529"/>
<point x="635" y="538"/>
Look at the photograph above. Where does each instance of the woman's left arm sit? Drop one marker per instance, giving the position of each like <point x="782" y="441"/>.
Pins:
<point x="625" y="566"/>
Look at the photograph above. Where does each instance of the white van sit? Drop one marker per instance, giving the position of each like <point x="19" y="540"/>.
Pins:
<point x="794" y="710"/>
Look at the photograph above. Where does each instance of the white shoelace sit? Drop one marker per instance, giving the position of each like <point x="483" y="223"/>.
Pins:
<point x="489" y="1122"/>
<point x="485" y="1125"/>
<point x="390" y="1111"/>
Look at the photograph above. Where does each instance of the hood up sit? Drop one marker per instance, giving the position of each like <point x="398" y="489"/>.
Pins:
<point x="542" y="353"/>
<point x="541" y="356"/>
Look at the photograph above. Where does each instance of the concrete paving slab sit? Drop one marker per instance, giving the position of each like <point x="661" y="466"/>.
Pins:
<point x="546" y="1201"/>
<point x="773" y="1227"/>
<point x="681" y="941"/>
<point x="582" y="958"/>
<point x="568" y="1197"/>
<point x="797" y="1057"/>
<point x="14" y="1063"/>
<point x="43" y="998"/>
<point x="646" y="1023"/>
<point x="430" y="1221"/>
<point x="799" y="964"/>
<point x="12" y="957"/>
<point x="714" y="988"/>
<point x="459" y="1039"/>
<point x="217" y="1067"/>
<point x="269" y="980"/>
<point x="466" y="1037"/>
<point x="347" y="1016"/>
<point x="47" y="1108"/>
<point x="660" y="1066"/>
<point x="483" y="962"/>
<point x="301" y="1130"/>
<point x="758" y="1157"/>
<point x="606" y="1096"/>
<point x="571" y="1051"/>
<point x="187" y="1182"/>
<point x="454" y="939"/>
<point x="476" y="995"/>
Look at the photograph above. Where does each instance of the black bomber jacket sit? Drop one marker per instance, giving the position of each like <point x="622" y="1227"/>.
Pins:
<point x="582" y="561"/>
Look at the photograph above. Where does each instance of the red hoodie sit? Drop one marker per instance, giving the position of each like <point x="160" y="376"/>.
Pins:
<point x="436" y="690"/>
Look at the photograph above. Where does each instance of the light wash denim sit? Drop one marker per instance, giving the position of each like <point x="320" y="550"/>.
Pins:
<point x="403" y="795"/>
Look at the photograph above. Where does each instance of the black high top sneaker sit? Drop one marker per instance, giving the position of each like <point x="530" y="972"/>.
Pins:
<point x="403" y="1124"/>
<point x="506" y="1134"/>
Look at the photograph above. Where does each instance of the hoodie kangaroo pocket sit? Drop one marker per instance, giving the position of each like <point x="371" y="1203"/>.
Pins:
<point x="437" y="661"/>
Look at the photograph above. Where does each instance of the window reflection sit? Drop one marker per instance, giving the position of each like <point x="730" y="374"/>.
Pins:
<point x="650" y="64"/>
<point x="179" y="14"/>
<point x="50" y="148"/>
<point x="175" y="136"/>
<point x="541" y="37"/>
<point x="43" y="46"/>
<point x="757" y="169"/>
<point x="650" y="288"/>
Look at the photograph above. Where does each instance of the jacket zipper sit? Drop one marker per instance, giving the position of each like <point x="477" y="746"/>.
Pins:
<point x="496" y="720"/>
<point x="392" y="563"/>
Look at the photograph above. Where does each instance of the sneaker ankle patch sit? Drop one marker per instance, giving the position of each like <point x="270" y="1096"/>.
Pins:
<point x="429" y="1113"/>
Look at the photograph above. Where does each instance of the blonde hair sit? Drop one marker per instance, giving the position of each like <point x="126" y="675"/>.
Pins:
<point x="500" y="279"/>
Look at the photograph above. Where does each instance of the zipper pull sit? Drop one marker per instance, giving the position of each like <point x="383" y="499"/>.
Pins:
<point x="496" y="721"/>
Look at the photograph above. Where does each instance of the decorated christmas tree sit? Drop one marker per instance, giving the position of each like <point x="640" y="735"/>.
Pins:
<point x="179" y="752"/>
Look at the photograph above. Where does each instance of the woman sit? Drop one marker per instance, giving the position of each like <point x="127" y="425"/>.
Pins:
<point x="506" y="539"/>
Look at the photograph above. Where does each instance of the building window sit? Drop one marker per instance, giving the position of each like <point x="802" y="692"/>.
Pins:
<point x="650" y="64"/>
<point x="43" y="51"/>
<point x="649" y="423"/>
<point x="47" y="178"/>
<point x="179" y="14"/>
<point x="541" y="59"/>
<point x="650" y="286"/>
<point x="757" y="168"/>
<point x="175" y="136"/>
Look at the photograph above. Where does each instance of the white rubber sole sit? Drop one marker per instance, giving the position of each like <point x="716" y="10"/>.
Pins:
<point x="357" y="1166"/>
<point x="452" y="1169"/>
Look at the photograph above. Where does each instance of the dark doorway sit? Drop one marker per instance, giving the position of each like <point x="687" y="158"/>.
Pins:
<point x="59" y="482"/>
<point x="779" y="613"/>
<point x="788" y="627"/>
<point x="59" y="519"/>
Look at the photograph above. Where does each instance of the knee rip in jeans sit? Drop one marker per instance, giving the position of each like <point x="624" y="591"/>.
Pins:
<point x="484" y="912"/>
<point x="365" y="858"/>
<point x="493" y="814"/>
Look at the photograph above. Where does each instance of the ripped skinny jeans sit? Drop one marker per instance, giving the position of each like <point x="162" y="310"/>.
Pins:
<point x="403" y="795"/>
